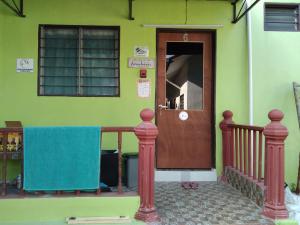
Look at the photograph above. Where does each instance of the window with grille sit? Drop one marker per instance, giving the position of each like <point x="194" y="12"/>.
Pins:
<point x="281" y="17"/>
<point x="78" y="61"/>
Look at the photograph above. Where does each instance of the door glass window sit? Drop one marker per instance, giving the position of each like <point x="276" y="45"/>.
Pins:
<point x="184" y="75"/>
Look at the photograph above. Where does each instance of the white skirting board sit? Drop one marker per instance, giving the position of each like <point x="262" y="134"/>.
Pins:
<point x="185" y="175"/>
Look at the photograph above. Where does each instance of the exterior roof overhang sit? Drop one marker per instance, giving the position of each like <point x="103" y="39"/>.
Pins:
<point x="246" y="6"/>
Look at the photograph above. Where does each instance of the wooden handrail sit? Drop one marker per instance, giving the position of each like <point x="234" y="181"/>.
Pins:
<point x="11" y="130"/>
<point x="117" y="129"/>
<point x="248" y="127"/>
<point x="243" y="152"/>
<point x="103" y="129"/>
<point x="240" y="147"/>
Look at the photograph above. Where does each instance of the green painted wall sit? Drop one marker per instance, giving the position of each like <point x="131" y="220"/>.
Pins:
<point x="20" y="39"/>
<point x="18" y="91"/>
<point x="1" y="48"/>
<point x="57" y="209"/>
<point x="275" y="66"/>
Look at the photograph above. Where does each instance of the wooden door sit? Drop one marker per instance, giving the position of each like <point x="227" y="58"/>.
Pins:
<point x="184" y="100"/>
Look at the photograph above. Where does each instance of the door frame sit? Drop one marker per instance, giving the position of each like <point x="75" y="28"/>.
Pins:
<point x="213" y="85"/>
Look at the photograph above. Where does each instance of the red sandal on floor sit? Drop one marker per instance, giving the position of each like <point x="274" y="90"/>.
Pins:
<point x="194" y="185"/>
<point x="185" y="185"/>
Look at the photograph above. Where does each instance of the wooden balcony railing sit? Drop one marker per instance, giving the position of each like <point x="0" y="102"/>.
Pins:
<point x="146" y="133"/>
<point x="17" y="153"/>
<point x="6" y="154"/>
<point x="247" y="149"/>
<point x="119" y="131"/>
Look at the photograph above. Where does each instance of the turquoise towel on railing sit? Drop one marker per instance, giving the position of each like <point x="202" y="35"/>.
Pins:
<point x="61" y="158"/>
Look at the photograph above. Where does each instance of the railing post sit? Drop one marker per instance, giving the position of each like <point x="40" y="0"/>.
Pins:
<point x="275" y="133"/>
<point x="146" y="133"/>
<point x="227" y="146"/>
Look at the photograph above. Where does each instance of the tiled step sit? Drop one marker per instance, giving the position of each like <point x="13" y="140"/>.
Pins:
<point x="185" y="175"/>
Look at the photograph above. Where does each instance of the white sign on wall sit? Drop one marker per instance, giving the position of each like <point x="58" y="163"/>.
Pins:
<point x="143" y="88"/>
<point x="141" y="51"/>
<point x="141" y="63"/>
<point x="24" y="65"/>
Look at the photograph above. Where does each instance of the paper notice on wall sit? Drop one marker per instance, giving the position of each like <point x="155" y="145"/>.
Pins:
<point x="143" y="88"/>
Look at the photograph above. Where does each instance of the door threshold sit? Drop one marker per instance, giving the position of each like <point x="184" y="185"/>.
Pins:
<point x="185" y="175"/>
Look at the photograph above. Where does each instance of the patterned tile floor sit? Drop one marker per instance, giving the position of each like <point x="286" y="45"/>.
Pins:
<point x="211" y="204"/>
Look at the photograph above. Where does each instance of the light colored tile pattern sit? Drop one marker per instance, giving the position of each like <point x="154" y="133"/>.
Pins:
<point x="211" y="204"/>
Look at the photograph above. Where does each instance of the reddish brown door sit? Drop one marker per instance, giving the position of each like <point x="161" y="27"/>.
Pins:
<point x="184" y="100"/>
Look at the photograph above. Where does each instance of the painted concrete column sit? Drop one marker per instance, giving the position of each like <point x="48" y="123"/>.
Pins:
<point x="146" y="133"/>
<point x="227" y="140"/>
<point x="275" y="134"/>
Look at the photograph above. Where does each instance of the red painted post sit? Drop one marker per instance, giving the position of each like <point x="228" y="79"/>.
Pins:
<point x="236" y="144"/>
<point x="245" y="150"/>
<point x="259" y="156"/>
<point x="227" y="146"/>
<point x="146" y="133"/>
<point x="241" y="150"/>
<point x="254" y="165"/>
<point x="275" y="134"/>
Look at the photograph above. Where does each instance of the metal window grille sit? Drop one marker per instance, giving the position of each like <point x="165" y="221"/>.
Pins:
<point x="280" y="17"/>
<point x="78" y="61"/>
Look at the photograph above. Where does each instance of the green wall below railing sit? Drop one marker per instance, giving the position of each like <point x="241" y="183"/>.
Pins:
<point x="59" y="208"/>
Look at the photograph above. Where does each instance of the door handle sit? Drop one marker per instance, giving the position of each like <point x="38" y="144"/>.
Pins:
<point x="162" y="106"/>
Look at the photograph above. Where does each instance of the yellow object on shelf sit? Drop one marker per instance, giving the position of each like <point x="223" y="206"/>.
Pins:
<point x="14" y="142"/>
